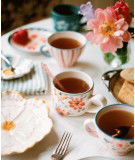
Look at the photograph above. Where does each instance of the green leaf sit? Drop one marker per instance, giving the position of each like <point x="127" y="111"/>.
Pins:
<point x="122" y="53"/>
<point x="108" y="57"/>
<point x="123" y="59"/>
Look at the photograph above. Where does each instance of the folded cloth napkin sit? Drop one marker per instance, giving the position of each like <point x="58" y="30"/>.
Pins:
<point x="34" y="83"/>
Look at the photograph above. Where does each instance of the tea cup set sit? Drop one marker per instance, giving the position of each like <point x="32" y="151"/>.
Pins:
<point x="77" y="104"/>
<point x="71" y="104"/>
<point x="68" y="104"/>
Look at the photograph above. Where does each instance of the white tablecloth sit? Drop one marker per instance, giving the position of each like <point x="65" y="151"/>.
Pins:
<point x="82" y="145"/>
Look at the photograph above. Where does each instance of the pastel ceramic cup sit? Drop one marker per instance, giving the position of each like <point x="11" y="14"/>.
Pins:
<point x="65" y="57"/>
<point x="69" y="104"/>
<point x="117" y="146"/>
<point x="66" y="18"/>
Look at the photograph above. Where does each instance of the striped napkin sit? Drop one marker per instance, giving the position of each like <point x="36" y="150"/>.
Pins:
<point x="34" y="83"/>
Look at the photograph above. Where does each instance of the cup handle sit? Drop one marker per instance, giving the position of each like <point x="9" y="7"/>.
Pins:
<point x="96" y="102"/>
<point x="44" y="51"/>
<point x="90" y="127"/>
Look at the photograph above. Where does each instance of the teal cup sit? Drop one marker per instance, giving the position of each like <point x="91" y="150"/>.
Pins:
<point x="66" y="18"/>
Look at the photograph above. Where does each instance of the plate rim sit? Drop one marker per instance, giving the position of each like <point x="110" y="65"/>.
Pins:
<point x="95" y="157"/>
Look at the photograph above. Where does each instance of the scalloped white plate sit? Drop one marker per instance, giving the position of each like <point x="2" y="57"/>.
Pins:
<point x="24" y="122"/>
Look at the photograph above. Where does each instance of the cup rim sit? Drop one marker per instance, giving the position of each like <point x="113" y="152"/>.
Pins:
<point x="117" y="104"/>
<point x="63" y="15"/>
<point x="75" y="94"/>
<point x="81" y="46"/>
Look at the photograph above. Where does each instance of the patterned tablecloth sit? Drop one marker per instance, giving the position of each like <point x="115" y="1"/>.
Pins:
<point x="82" y="145"/>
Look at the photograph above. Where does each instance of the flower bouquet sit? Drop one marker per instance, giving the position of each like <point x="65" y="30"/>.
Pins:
<point x="108" y="28"/>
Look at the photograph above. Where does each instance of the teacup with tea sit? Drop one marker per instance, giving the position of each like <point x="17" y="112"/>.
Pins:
<point x="114" y="125"/>
<point x="65" y="47"/>
<point x="76" y="95"/>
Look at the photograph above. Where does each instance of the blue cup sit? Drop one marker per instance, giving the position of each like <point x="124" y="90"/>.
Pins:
<point x="66" y="18"/>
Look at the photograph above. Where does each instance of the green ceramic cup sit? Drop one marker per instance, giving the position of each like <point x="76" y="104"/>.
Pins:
<point x="66" y="18"/>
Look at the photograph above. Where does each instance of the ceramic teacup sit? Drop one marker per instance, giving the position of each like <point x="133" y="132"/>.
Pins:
<point x="66" y="18"/>
<point x="65" y="57"/>
<point x="118" y="146"/>
<point x="69" y="104"/>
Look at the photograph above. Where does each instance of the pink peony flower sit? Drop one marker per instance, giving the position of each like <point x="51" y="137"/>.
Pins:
<point x="108" y="31"/>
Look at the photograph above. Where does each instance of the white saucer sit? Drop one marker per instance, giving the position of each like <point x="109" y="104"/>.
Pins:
<point x="22" y="67"/>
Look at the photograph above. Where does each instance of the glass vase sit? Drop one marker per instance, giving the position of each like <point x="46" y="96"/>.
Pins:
<point x="119" y="58"/>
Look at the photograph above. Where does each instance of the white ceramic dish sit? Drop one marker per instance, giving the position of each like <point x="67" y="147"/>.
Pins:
<point x="22" y="67"/>
<point x="96" y="158"/>
<point x="24" y="122"/>
<point x="38" y="38"/>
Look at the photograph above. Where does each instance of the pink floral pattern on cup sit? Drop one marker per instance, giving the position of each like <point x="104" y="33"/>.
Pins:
<point x="62" y="111"/>
<point x="76" y="103"/>
<point x="119" y="147"/>
<point x="67" y="104"/>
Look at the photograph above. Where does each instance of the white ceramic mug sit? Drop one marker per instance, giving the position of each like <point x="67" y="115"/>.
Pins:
<point x="65" y="57"/>
<point x="117" y="146"/>
<point x="69" y="104"/>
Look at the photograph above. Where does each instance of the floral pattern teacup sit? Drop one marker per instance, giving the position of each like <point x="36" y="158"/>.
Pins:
<point x="117" y="146"/>
<point x="69" y="104"/>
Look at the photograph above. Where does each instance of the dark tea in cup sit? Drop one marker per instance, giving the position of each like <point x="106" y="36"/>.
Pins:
<point x="73" y="85"/>
<point x="114" y="125"/>
<point x="116" y="121"/>
<point x="65" y="43"/>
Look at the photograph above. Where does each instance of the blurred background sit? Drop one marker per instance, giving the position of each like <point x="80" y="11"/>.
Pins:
<point x="16" y="13"/>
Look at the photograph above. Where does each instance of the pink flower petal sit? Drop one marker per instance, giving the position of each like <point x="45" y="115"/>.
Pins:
<point x="96" y="38"/>
<point x="105" y="39"/>
<point x="108" y="15"/>
<point x="112" y="45"/>
<point x="126" y="37"/>
<point x="92" y="24"/>
<point x="100" y="18"/>
<point x="125" y="26"/>
<point x="98" y="11"/>
<point x="90" y="36"/>
<point x="101" y="39"/>
<point x="118" y="33"/>
<point x="119" y="23"/>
